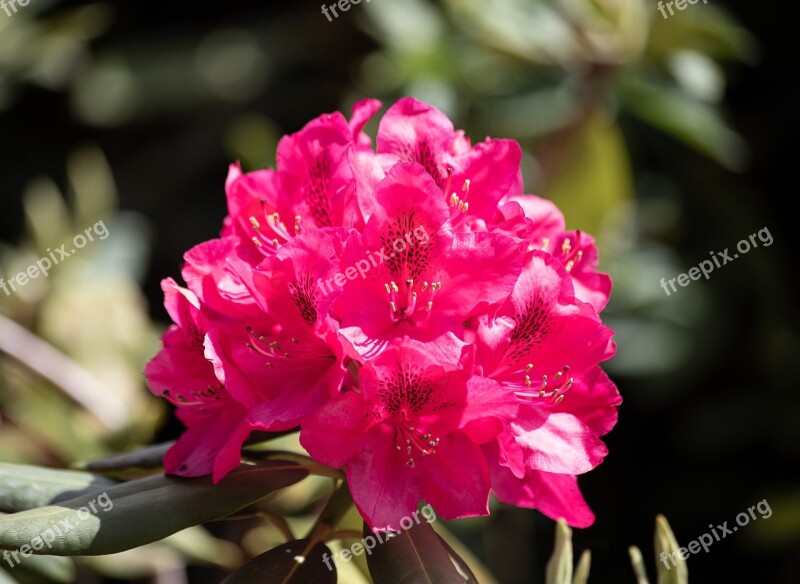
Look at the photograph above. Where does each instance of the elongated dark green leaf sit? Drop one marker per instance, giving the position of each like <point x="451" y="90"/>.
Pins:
<point x="142" y="511"/>
<point x="151" y="457"/>
<point x="414" y="556"/>
<point x="148" y="458"/>
<point x="698" y="124"/>
<point x="24" y="487"/>
<point x="290" y="563"/>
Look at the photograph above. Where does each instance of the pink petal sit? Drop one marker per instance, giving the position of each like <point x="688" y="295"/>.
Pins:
<point x="379" y="482"/>
<point x="210" y="446"/>
<point x="555" y="495"/>
<point x="557" y="442"/>
<point x="455" y="479"/>
<point x="334" y="434"/>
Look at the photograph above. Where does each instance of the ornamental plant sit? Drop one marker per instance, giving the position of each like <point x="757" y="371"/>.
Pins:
<point x="430" y="330"/>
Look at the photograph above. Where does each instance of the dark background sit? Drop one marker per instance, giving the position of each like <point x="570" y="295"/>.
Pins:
<point x="699" y="444"/>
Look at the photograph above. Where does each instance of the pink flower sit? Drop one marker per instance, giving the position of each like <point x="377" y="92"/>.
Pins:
<point x="428" y="327"/>
<point x="209" y="276"/>
<point x="411" y="433"/>
<point x="313" y="186"/>
<point x="182" y="374"/>
<point x="555" y="495"/>
<point x="544" y="346"/>
<point x="541" y="224"/>
<point x="292" y="358"/>
<point x="471" y="178"/>
<point x="578" y="253"/>
<point x="424" y="281"/>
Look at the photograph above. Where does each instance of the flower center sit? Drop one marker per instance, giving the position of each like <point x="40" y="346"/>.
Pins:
<point x="554" y="388"/>
<point x="271" y="232"/>
<point x="198" y="398"/>
<point x="412" y="301"/>
<point x="272" y="348"/>
<point x="570" y="253"/>
<point x="410" y="439"/>
<point x="457" y="201"/>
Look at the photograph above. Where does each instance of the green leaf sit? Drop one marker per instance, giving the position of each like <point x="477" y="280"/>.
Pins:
<point x="465" y="560"/>
<point x="148" y="458"/>
<point x="637" y="561"/>
<point x="666" y="543"/>
<point x="293" y="562"/>
<point x="413" y="556"/>
<point x="143" y="511"/>
<point x="712" y="31"/>
<point x="461" y="565"/>
<point x="559" y="567"/>
<point x="24" y="487"/>
<point x="693" y="122"/>
<point x="582" y="571"/>
<point x="533" y="31"/>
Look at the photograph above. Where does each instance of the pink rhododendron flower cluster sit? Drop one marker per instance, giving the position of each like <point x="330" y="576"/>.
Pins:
<point x="426" y="325"/>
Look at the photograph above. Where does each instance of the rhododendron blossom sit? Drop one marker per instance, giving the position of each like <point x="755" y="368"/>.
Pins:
<point x="461" y="359"/>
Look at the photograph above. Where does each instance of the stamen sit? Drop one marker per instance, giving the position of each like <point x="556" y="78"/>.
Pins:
<point x="200" y="398"/>
<point x="460" y="201"/>
<point x="403" y="303"/>
<point x="412" y="303"/>
<point x="409" y="439"/>
<point x="268" y="243"/>
<point x="449" y="169"/>
<point x="543" y="391"/>
<point x="571" y="263"/>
